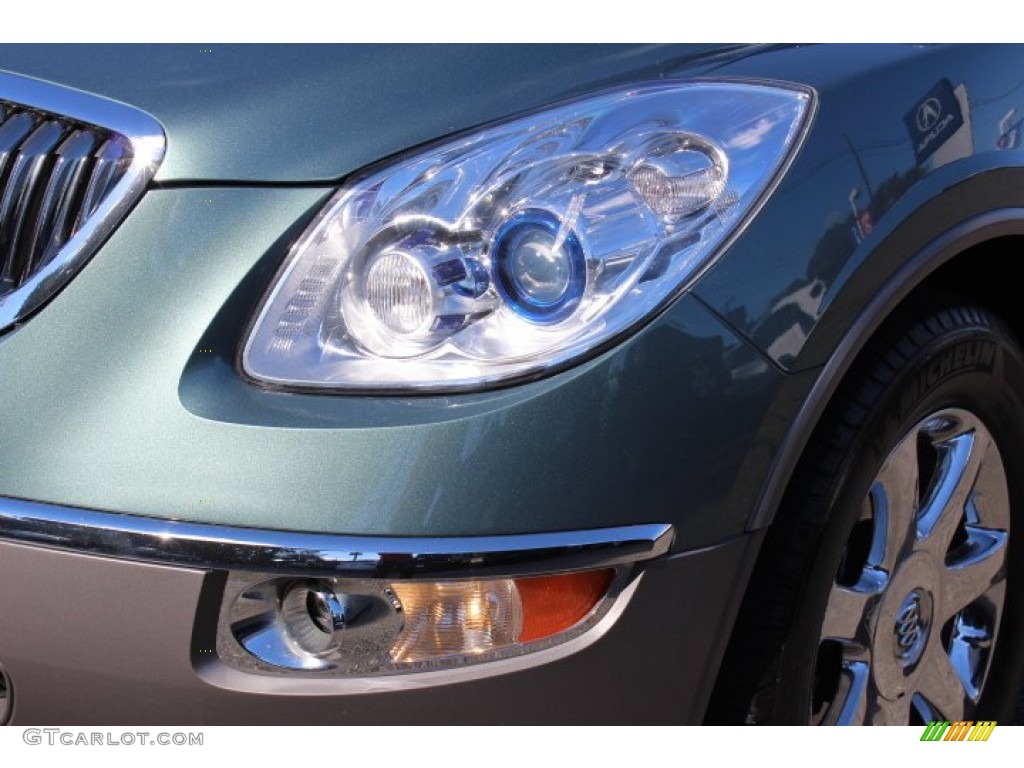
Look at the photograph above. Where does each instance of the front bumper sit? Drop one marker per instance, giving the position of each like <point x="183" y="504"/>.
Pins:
<point x="123" y="395"/>
<point x="94" y="640"/>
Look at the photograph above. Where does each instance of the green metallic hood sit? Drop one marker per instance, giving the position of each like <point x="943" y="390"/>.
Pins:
<point x="305" y="113"/>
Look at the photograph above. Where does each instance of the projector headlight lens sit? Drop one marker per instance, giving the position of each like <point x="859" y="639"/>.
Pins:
<point x="540" y="266"/>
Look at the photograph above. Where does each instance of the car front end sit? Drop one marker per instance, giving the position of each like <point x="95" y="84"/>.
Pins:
<point x="486" y="509"/>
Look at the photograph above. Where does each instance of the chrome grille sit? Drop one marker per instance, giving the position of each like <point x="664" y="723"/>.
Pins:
<point x="71" y="165"/>
<point x="53" y="175"/>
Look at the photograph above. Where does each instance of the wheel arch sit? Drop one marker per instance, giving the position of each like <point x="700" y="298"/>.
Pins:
<point x="939" y="263"/>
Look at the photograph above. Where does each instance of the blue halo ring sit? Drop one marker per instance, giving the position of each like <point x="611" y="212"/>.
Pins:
<point x="509" y="235"/>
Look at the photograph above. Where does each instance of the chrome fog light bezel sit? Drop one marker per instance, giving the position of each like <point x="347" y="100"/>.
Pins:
<point x="252" y="634"/>
<point x="256" y="633"/>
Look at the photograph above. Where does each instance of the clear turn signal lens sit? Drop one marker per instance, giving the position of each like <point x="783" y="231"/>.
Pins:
<point x="456" y="618"/>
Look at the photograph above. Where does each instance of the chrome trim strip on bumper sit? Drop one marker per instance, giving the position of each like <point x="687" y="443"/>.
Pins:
<point x="201" y="545"/>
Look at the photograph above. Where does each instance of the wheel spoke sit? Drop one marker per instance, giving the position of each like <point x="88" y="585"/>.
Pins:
<point x="851" y="704"/>
<point x="979" y="564"/>
<point x="925" y="710"/>
<point x="973" y="634"/>
<point x="943" y="509"/>
<point x="884" y="711"/>
<point x="940" y="685"/>
<point x="894" y="502"/>
<point x="848" y="608"/>
<point x="988" y="505"/>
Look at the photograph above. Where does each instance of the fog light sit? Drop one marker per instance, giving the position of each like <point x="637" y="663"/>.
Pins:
<point x="311" y="612"/>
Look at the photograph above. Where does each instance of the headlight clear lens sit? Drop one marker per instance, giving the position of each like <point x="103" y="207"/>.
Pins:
<point x="520" y="247"/>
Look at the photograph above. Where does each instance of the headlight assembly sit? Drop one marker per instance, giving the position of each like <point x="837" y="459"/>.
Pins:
<point x="520" y="247"/>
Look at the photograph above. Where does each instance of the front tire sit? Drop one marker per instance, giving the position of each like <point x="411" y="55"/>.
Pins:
<point x="888" y="589"/>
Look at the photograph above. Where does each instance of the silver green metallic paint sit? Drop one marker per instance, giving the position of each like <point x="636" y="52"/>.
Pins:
<point x="123" y="394"/>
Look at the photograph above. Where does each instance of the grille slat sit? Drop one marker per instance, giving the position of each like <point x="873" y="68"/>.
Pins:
<point x="19" y="199"/>
<point x="72" y="165"/>
<point x="111" y="161"/>
<point x="15" y="129"/>
<point x="62" y="196"/>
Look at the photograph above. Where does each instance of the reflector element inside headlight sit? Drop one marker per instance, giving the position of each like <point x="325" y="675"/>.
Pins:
<point x="522" y="246"/>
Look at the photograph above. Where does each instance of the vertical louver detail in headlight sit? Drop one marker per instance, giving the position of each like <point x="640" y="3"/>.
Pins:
<point x="71" y="165"/>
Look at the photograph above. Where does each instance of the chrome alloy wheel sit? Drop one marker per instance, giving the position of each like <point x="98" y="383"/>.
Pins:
<point x="913" y="614"/>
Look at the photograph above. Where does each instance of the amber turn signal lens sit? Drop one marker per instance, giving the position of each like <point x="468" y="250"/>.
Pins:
<point x="553" y="604"/>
